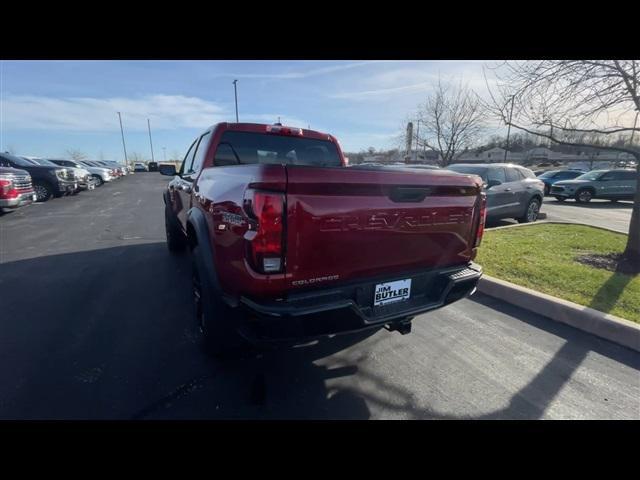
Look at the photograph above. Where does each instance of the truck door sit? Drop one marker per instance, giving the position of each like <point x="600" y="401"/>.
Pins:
<point x="187" y="186"/>
<point x="180" y="199"/>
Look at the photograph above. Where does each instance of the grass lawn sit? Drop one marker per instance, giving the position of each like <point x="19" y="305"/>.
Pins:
<point x="542" y="257"/>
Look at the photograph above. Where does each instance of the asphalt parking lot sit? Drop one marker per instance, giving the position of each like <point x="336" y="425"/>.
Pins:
<point x="97" y="323"/>
<point x="599" y="213"/>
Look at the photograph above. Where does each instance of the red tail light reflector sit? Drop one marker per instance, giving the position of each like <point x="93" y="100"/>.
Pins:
<point x="266" y="246"/>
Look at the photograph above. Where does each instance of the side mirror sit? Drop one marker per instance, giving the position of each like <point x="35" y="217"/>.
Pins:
<point x="169" y="170"/>
<point x="493" y="183"/>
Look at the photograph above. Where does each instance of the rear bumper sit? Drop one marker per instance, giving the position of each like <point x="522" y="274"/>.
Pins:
<point x="21" y="200"/>
<point x="350" y="308"/>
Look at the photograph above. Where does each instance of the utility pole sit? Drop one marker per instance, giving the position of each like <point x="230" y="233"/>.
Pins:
<point x="164" y="153"/>
<point x="150" y="142"/>
<point x="235" y="91"/>
<point x="509" y="128"/>
<point x="124" y="146"/>
<point x="417" y="139"/>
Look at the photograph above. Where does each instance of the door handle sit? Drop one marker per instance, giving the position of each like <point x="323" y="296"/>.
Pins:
<point x="507" y="189"/>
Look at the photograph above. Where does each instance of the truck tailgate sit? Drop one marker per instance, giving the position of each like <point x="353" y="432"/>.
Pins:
<point x="346" y="224"/>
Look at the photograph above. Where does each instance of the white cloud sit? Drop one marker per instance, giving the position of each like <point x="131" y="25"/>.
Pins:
<point x="300" y="74"/>
<point x="100" y="114"/>
<point x="382" y="92"/>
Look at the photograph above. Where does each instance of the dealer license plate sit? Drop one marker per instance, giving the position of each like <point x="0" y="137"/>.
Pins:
<point x="391" y="292"/>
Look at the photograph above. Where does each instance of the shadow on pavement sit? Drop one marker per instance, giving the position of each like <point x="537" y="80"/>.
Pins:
<point x="109" y="334"/>
<point x="594" y="204"/>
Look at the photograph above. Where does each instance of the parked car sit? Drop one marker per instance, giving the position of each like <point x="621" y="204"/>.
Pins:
<point x="550" y="177"/>
<point x="512" y="191"/>
<point x="614" y="185"/>
<point x="139" y="167"/>
<point x="80" y="175"/>
<point x="16" y="189"/>
<point x="85" y="180"/>
<point x="289" y="243"/>
<point x="48" y="181"/>
<point x="118" y="168"/>
<point x="100" y="173"/>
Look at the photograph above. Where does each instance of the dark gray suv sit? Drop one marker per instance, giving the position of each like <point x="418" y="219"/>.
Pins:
<point x="612" y="185"/>
<point x="512" y="191"/>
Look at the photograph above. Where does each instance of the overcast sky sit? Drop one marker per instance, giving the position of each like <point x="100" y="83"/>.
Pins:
<point x="48" y="107"/>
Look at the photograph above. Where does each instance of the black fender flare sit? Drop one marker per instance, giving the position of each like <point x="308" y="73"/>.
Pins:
<point x="197" y="220"/>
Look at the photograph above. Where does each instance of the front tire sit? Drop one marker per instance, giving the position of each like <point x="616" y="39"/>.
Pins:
<point x="584" y="196"/>
<point x="43" y="191"/>
<point x="99" y="181"/>
<point x="213" y="316"/>
<point x="531" y="212"/>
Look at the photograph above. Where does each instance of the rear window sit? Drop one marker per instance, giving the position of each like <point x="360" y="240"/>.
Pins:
<point x="526" y="172"/>
<point x="512" y="175"/>
<point x="247" y="147"/>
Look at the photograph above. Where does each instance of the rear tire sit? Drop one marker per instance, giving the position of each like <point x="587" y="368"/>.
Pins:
<point x="531" y="212"/>
<point x="214" y="318"/>
<point x="43" y="191"/>
<point x="176" y="240"/>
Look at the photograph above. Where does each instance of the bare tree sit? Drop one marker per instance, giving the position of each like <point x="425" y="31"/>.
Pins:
<point x="451" y="120"/>
<point x="136" y="157"/>
<point x="76" y="155"/>
<point x="580" y="103"/>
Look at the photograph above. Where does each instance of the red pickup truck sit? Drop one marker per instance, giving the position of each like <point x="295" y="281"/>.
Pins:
<point x="288" y="242"/>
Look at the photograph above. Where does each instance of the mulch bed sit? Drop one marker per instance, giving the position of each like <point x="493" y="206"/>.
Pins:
<point x="610" y="261"/>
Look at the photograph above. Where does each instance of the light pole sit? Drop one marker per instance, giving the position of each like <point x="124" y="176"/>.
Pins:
<point x="235" y="91"/>
<point x="150" y="142"/>
<point x="126" y="161"/>
<point x="164" y="153"/>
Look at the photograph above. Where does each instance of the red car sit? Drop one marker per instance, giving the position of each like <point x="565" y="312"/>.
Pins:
<point x="289" y="243"/>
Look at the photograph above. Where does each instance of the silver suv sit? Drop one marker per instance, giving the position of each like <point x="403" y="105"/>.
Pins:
<point x="608" y="184"/>
<point x="512" y="191"/>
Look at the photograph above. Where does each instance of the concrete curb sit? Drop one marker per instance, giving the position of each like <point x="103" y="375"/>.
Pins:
<point x="555" y="222"/>
<point x="603" y="325"/>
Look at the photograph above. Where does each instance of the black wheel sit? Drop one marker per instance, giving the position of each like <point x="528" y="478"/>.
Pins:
<point x="176" y="240"/>
<point x="584" y="196"/>
<point x="214" y="318"/>
<point x="561" y="199"/>
<point x="531" y="212"/>
<point x="99" y="181"/>
<point x="43" y="191"/>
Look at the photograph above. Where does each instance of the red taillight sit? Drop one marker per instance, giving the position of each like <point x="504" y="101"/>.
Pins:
<point x="265" y="245"/>
<point x="7" y="189"/>
<point x="483" y="218"/>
